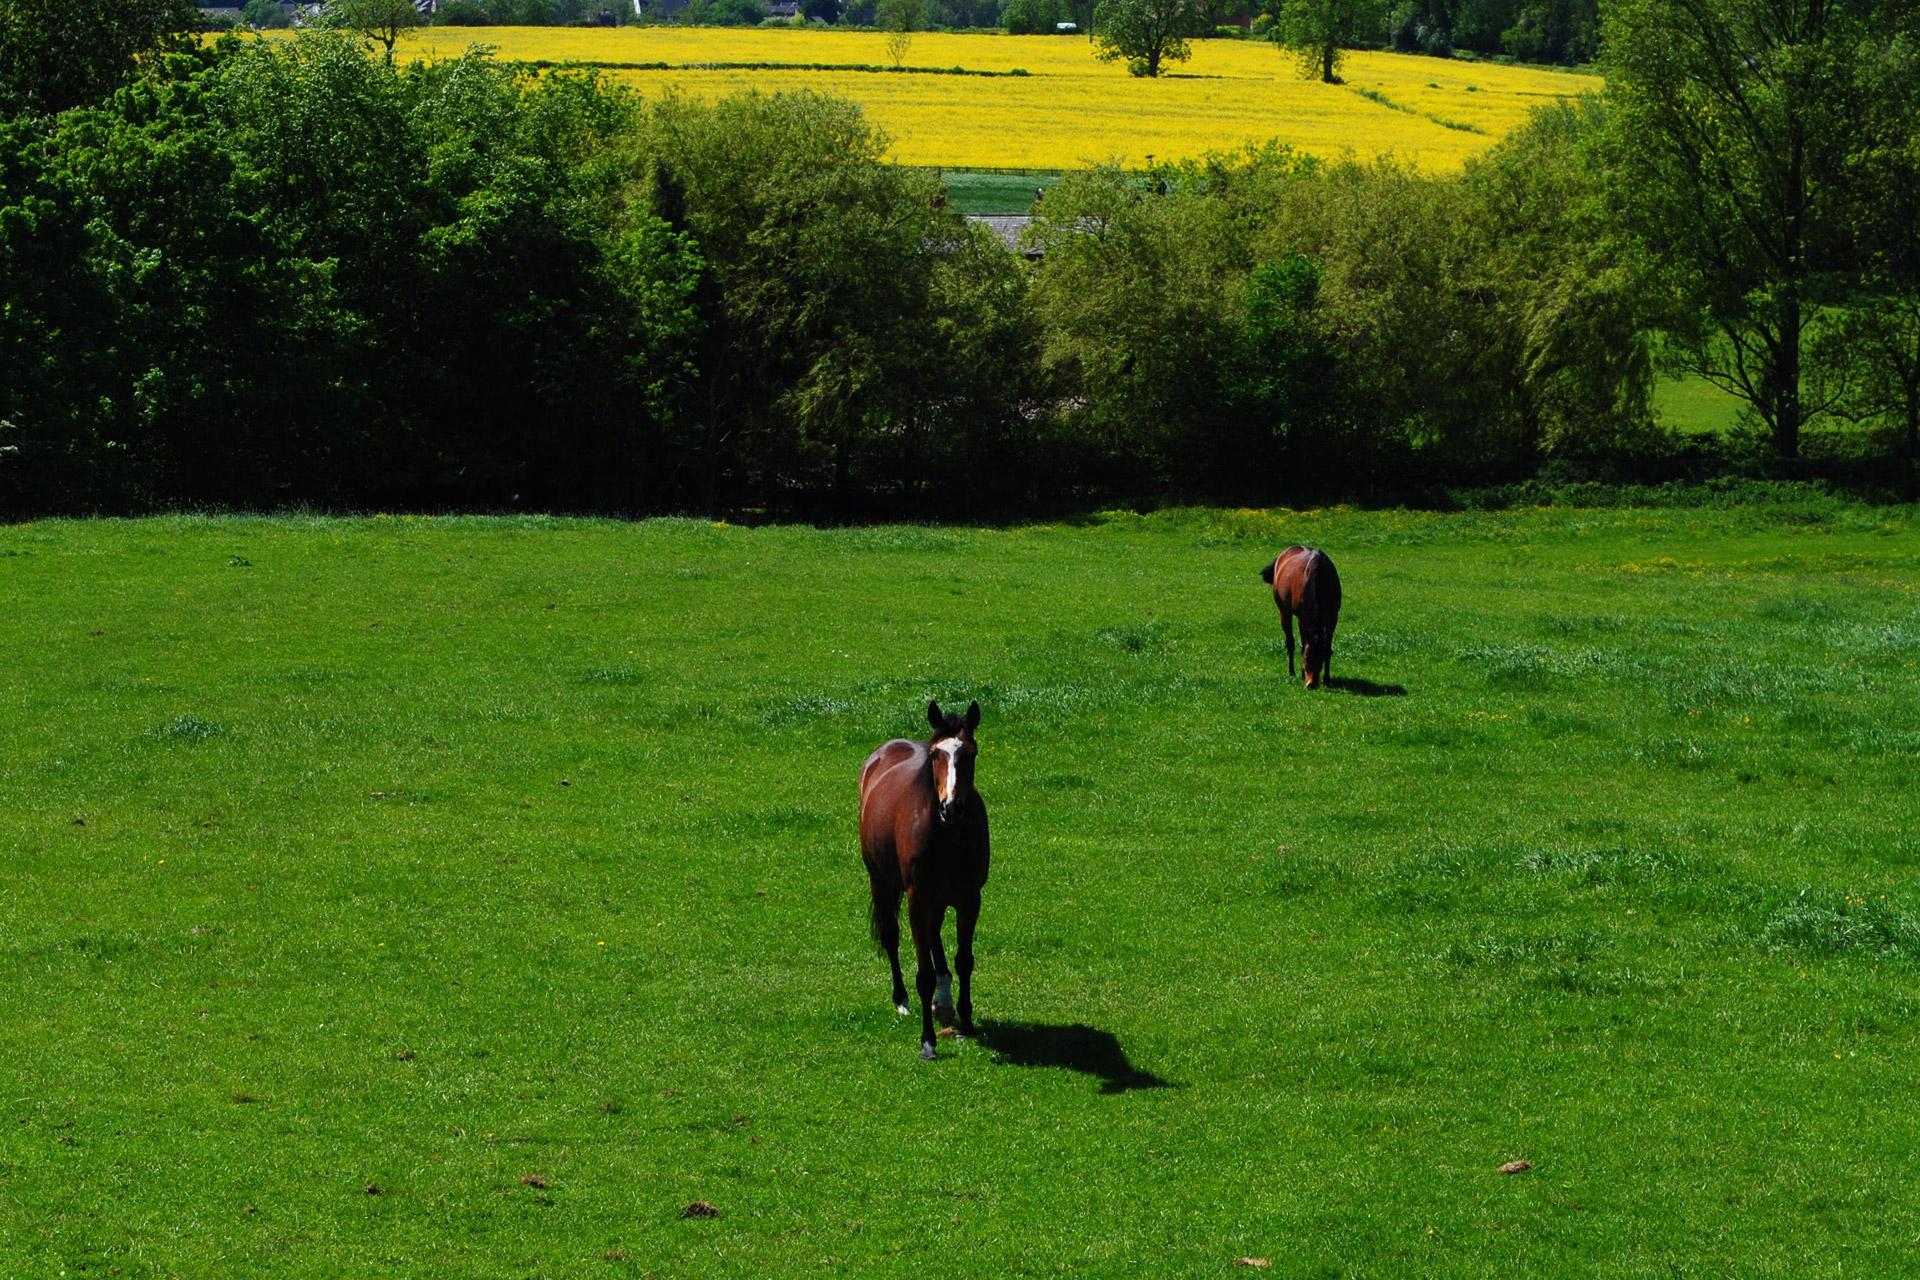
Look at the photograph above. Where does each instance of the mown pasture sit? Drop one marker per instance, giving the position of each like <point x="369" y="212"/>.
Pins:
<point x="1048" y="102"/>
<point x="467" y="897"/>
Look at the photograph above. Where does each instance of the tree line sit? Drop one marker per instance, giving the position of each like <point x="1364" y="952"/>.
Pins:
<point x="1562" y="31"/>
<point x="257" y="274"/>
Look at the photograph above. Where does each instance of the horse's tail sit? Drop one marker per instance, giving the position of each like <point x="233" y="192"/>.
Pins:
<point x="1266" y="572"/>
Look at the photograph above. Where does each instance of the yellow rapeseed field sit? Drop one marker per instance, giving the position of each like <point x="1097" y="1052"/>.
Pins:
<point x="1071" y="109"/>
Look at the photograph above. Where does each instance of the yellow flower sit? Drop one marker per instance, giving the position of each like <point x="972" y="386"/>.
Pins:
<point x="1069" y="108"/>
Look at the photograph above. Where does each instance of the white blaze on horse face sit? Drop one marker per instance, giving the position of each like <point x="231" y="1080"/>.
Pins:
<point x="946" y="787"/>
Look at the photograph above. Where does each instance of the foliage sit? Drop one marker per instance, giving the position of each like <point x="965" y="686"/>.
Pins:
<point x="1578" y="300"/>
<point x="1040" y="17"/>
<point x="901" y="15"/>
<point x="57" y="54"/>
<point x="301" y="276"/>
<point x="900" y="19"/>
<point x="823" y="327"/>
<point x="1146" y="33"/>
<point x="1565" y="31"/>
<point x="1261" y="319"/>
<point x="1735" y="125"/>
<point x="288" y="271"/>
<point x="265" y="15"/>
<point x="1320" y="31"/>
<point x="1878" y="343"/>
<point x="1421" y="26"/>
<point x="380" y="21"/>
<point x="730" y="13"/>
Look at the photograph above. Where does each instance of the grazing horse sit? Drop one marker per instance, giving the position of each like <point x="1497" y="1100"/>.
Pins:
<point x="923" y="832"/>
<point x="1305" y="583"/>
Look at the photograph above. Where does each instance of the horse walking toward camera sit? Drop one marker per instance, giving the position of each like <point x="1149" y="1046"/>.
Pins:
<point x="923" y="833"/>
<point x="1305" y="584"/>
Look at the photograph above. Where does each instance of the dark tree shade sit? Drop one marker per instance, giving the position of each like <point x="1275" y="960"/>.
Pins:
<point x="56" y="54"/>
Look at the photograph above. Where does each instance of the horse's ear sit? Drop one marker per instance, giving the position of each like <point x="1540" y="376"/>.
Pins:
<point x="973" y="716"/>
<point x="934" y="717"/>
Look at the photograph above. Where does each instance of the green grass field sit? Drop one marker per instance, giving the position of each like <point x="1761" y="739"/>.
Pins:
<point x="1693" y="406"/>
<point x="507" y="868"/>
<point x="994" y="192"/>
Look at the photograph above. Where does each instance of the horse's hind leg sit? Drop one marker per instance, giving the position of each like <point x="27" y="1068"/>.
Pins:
<point x="966" y="914"/>
<point x="1286" y="625"/>
<point x="886" y="932"/>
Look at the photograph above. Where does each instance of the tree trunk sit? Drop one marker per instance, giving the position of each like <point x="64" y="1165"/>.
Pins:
<point x="1326" y="64"/>
<point x="1786" y="378"/>
<point x="1793" y="266"/>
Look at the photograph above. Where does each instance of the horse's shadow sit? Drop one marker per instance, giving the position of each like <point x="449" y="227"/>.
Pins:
<point x="1365" y="688"/>
<point x="1085" y="1049"/>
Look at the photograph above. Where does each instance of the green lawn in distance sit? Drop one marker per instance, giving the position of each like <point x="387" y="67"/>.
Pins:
<point x="993" y="192"/>
<point x="1693" y="406"/>
<point x="396" y="897"/>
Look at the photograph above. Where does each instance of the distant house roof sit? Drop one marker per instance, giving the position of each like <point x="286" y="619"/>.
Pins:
<point x="1008" y="226"/>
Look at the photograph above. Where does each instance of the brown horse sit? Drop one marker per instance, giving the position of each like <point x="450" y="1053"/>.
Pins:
<point x="1305" y="583"/>
<point x="923" y="832"/>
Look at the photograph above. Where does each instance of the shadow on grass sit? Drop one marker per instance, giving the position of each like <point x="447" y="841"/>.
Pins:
<point x="1365" y="688"/>
<point x="1087" y="1050"/>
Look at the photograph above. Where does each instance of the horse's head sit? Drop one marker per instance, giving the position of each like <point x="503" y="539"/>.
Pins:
<point x="952" y="751"/>
<point x="1315" y="647"/>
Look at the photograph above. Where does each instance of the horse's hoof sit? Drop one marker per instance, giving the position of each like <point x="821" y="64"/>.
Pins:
<point x="902" y="1009"/>
<point x="926" y="1051"/>
<point x="943" y="1014"/>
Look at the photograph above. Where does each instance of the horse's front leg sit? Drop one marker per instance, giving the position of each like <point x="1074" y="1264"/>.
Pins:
<point x="924" y="916"/>
<point x="942" y="976"/>
<point x="966" y="914"/>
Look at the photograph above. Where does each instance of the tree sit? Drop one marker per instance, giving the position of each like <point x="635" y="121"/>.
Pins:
<point x="1880" y="336"/>
<point x="265" y="15"/>
<point x="820" y="321"/>
<point x="1034" y="17"/>
<point x="1572" y="296"/>
<point x="380" y="21"/>
<point x="1732" y="127"/>
<point x="739" y="13"/>
<point x="1319" y="31"/>
<point x="56" y="54"/>
<point x="900" y="19"/>
<point x="1146" y="32"/>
